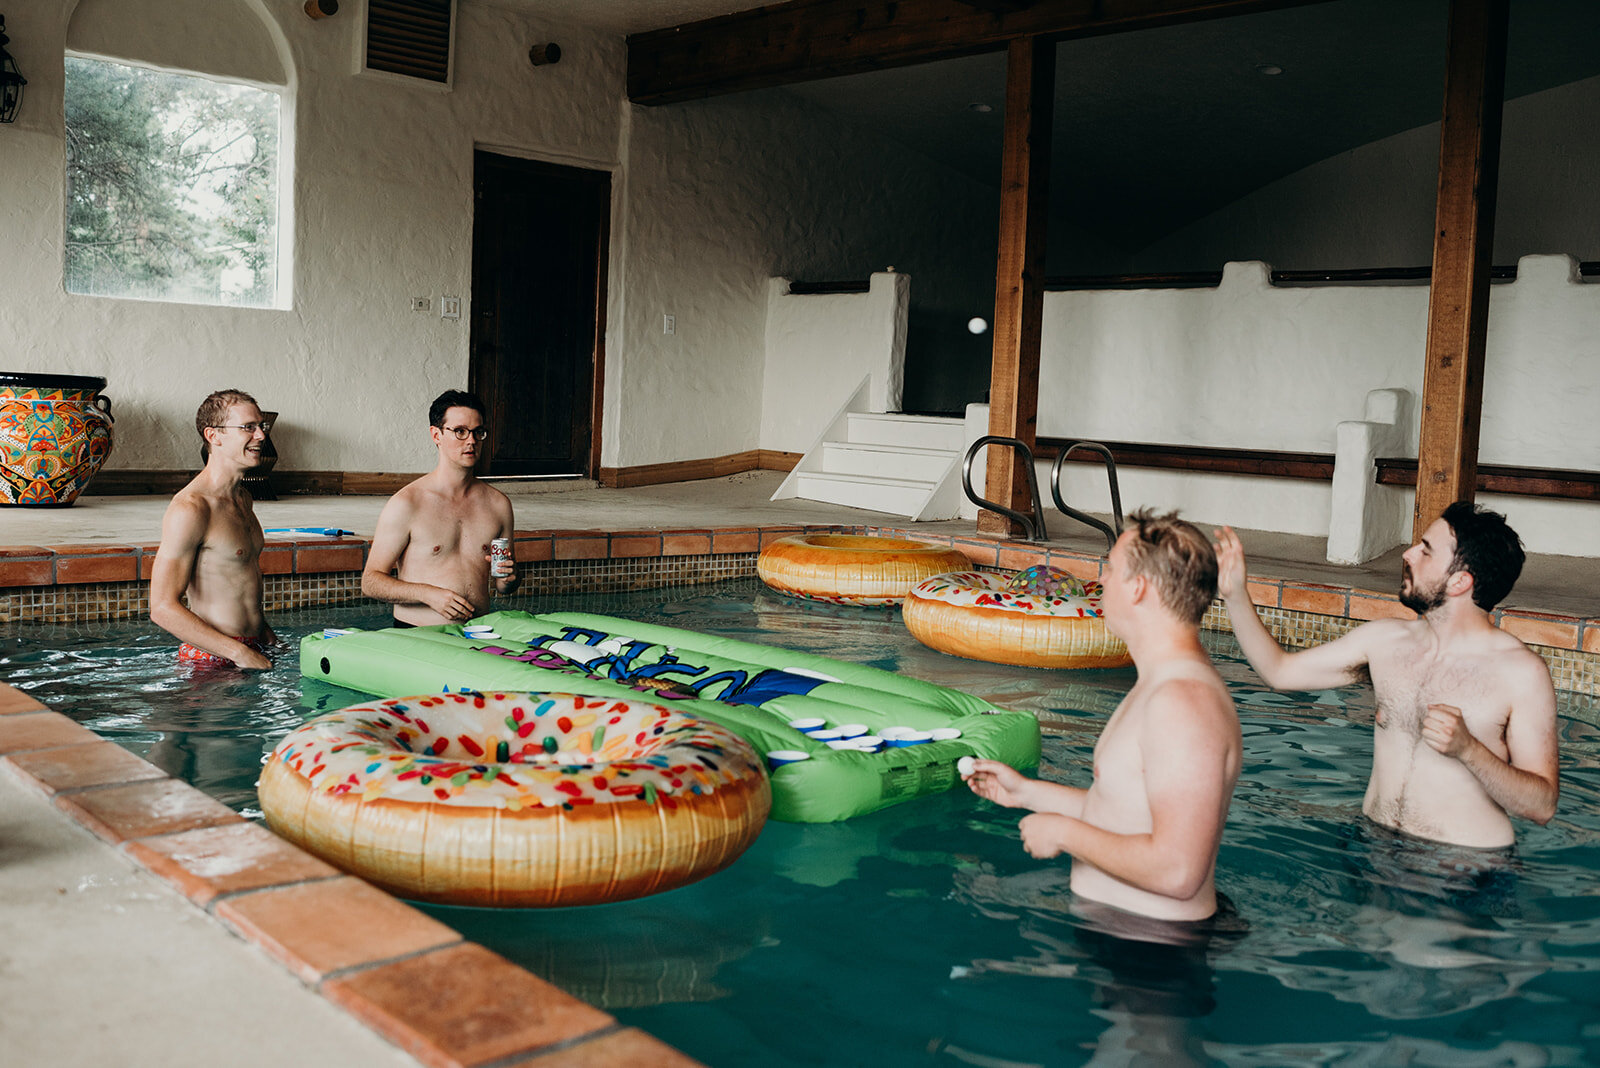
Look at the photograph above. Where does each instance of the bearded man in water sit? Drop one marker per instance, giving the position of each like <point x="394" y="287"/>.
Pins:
<point x="1465" y="734"/>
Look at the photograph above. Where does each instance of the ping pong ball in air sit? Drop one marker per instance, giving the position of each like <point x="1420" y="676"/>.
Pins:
<point x="977" y="324"/>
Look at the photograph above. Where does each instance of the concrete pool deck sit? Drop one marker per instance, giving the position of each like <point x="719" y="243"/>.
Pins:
<point x="103" y="961"/>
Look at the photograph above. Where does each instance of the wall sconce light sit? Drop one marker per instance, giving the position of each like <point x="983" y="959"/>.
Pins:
<point x="11" y="79"/>
<point x="321" y="9"/>
<point x="539" y="55"/>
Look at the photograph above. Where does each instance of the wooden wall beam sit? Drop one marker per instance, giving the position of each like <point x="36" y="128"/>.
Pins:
<point x="1019" y="273"/>
<point x="807" y="39"/>
<point x="1463" y="239"/>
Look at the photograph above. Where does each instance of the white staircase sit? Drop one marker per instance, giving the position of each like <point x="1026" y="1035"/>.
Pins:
<point x="905" y="465"/>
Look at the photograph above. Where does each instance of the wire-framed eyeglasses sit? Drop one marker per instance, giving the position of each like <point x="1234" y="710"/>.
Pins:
<point x="265" y="426"/>
<point x="462" y="433"/>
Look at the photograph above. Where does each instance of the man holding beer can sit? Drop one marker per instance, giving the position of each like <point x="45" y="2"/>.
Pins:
<point x="442" y="540"/>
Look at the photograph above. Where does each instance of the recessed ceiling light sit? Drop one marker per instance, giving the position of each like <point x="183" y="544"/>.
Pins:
<point x="1268" y="69"/>
<point x="979" y="106"/>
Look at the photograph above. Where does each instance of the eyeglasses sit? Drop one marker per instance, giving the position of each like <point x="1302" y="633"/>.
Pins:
<point x="265" y="426"/>
<point x="462" y="433"/>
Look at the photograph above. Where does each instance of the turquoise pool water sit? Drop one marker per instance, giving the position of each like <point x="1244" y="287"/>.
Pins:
<point x="923" y="934"/>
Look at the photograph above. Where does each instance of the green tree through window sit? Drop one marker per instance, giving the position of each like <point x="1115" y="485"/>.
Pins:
<point x="172" y="186"/>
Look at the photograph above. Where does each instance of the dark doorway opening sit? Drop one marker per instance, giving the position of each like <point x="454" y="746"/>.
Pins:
<point x="539" y="248"/>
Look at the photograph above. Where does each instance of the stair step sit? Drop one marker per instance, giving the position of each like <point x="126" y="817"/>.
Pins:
<point x="889" y="461"/>
<point x="895" y="496"/>
<point x="911" y="431"/>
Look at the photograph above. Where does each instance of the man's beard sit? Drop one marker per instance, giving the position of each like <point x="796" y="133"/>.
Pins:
<point x="1417" y="599"/>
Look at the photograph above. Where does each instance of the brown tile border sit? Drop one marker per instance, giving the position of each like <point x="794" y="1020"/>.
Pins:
<point x="407" y="976"/>
<point x="74" y="583"/>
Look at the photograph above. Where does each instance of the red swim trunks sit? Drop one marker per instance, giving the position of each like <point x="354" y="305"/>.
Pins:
<point x="188" y="654"/>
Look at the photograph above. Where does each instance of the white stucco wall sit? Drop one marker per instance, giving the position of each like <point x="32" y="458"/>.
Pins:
<point x="818" y="349"/>
<point x="1251" y="366"/>
<point x="382" y="199"/>
<point x="724" y="194"/>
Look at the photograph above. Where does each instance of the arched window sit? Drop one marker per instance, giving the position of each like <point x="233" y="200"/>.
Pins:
<point x="174" y="177"/>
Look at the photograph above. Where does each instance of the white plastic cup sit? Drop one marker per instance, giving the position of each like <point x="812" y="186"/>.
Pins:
<point x="888" y="734"/>
<point x="852" y="730"/>
<point x="944" y="734"/>
<point x="335" y="632"/>
<point x="845" y="744"/>
<point x="868" y="743"/>
<point x="827" y="734"/>
<point x="777" y="758"/>
<point x="806" y="726"/>
<point x="909" y="738"/>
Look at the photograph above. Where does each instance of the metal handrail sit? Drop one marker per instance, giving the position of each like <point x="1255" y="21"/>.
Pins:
<point x="1116" y="494"/>
<point x="1033" y="525"/>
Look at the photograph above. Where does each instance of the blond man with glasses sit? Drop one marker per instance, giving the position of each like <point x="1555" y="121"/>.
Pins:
<point x="430" y="553"/>
<point x="205" y="586"/>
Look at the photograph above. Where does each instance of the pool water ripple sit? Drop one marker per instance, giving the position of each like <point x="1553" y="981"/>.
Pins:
<point x="924" y="935"/>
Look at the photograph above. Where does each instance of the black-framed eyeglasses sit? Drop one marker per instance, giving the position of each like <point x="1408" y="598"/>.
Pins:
<point x="462" y="433"/>
<point x="265" y="426"/>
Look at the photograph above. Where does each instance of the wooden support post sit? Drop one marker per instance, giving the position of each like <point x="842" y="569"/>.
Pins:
<point x="1463" y="239"/>
<point x="1019" y="273"/>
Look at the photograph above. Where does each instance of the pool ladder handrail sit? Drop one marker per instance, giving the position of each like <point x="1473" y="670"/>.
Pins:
<point x="1033" y="525"/>
<point x="1110" y="531"/>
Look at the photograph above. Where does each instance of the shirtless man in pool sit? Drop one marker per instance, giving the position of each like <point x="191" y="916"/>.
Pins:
<point x="210" y="551"/>
<point x="1466" y="722"/>
<point x="435" y="533"/>
<point x="1143" y="837"/>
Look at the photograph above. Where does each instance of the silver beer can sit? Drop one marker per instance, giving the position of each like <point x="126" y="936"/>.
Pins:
<point x="501" y="563"/>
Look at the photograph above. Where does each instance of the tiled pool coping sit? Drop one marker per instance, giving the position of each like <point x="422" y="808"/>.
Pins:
<point x="378" y="957"/>
<point x="96" y="581"/>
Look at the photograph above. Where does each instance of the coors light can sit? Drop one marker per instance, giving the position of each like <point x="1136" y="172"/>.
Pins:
<point x="501" y="564"/>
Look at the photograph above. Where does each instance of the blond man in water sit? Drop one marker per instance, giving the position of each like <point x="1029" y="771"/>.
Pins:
<point x="1465" y="733"/>
<point x="1143" y="836"/>
<point x="205" y="586"/>
<point x="430" y="552"/>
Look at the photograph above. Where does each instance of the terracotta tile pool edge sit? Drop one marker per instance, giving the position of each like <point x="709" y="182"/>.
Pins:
<point x="568" y="1024"/>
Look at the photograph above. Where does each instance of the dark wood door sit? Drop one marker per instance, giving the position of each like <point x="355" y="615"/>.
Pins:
<point x="539" y="240"/>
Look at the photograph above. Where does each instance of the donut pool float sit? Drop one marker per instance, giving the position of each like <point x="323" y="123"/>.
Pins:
<point x="1040" y="617"/>
<point x="517" y="799"/>
<point x="853" y="568"/>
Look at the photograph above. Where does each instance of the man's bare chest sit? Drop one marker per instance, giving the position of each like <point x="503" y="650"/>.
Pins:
<point x="1406" y="681"/>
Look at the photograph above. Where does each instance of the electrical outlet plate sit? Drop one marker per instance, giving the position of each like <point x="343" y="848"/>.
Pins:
<point x="669" y="324"/>
<point x="421" y="304"/>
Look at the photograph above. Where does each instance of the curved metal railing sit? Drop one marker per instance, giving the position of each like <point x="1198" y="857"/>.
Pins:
<point x="1032" y="525"/>
<point x="1116" y="494"/>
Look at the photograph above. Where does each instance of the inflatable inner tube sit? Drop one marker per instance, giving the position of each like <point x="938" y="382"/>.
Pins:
<point x="853" y="568"/>
<point x="517" y="799"/>
<point x="1041" y="617"/>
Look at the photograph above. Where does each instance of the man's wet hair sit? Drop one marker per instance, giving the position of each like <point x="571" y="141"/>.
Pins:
<point x="455" y="398"/>
<point x="1178" y="560"/>
<point x="216" y="407"/>
<point x="1487" y="549"/>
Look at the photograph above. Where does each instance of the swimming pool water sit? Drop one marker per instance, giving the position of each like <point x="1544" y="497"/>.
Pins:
<point x="923" y="934"/>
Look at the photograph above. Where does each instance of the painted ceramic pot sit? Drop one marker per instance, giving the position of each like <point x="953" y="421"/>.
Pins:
<point x="55" y="433"/>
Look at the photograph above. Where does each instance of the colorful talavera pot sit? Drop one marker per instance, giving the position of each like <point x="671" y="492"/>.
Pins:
<point x="55" y="433"/>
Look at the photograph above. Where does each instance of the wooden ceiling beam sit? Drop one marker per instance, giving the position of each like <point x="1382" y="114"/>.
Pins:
<point x="804" y="40"/>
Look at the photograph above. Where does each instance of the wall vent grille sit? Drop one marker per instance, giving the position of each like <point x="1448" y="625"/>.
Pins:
<point x="410" y="37"/>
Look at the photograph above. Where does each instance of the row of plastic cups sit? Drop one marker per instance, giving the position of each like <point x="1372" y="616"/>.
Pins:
<point x="478" y="632"/>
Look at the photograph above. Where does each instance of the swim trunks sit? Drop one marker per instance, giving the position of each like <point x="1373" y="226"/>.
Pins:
<point x="188" y="654"/>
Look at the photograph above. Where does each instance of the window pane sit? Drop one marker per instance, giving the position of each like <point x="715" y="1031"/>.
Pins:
<point x="172" y="186"/>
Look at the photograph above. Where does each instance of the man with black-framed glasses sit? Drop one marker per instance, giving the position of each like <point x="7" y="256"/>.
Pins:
<point x="205" y="585"/>
<point x="430" y="552"/>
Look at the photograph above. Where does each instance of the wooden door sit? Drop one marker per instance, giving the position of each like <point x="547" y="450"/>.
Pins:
<point x="540" y="232"/>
